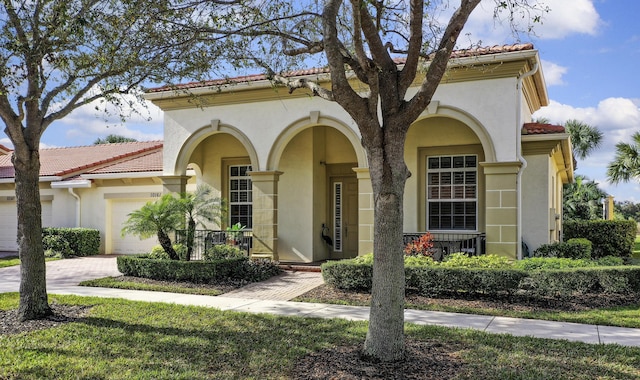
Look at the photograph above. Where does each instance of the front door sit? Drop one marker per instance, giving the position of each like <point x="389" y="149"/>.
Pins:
<point x="344" y="216"/>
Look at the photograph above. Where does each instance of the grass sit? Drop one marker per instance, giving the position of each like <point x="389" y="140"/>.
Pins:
<point x="112" y="282"/>
<point x="133" y="340"/>
<point x="10" y="261"/>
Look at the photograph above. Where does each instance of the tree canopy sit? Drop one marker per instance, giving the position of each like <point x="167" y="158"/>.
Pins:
<point x="112" y="139"/>
<point x="375" y="51"/>
<point x="59" y="55"/>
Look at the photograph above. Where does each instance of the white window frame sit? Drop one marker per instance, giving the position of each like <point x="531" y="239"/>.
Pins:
<point x="452" y="185"/>
<point x="247" y="192"/>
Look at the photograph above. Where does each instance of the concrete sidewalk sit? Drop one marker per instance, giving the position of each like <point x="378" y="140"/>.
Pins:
<point x="272" y="297"/>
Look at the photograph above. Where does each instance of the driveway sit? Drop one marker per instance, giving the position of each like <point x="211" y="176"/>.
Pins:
<point x="64" y="273"/>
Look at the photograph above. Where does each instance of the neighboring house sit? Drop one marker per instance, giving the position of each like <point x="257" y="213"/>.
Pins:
<point x="89" y="186"/>
<point x="293" y="169"/>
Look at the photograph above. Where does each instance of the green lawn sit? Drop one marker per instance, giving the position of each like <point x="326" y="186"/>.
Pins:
<point x="134" y="340"/>
<point x="9" y="261"/>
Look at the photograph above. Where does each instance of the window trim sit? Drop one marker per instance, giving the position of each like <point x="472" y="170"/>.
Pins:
<point x="421" y="183"/>
<point x="227" y="163"/>
<point x="451" y="198"/>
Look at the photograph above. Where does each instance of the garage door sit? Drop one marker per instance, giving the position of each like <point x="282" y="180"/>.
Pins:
<point x="128" y="244"/>
<point x="9" y="224"/>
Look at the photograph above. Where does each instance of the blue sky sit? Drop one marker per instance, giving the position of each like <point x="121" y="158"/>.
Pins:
<point x="590" y="51"/>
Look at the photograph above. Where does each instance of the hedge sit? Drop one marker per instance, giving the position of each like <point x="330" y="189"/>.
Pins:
<point x="82" y="241"/>
<point x="201" y="272"/>
<point x="441" y="280"/>
<point x="609" y="237"/>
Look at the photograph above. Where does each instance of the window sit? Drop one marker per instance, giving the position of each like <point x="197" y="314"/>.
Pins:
<point x="240" y="197"/>
<point x="452" y="192"/>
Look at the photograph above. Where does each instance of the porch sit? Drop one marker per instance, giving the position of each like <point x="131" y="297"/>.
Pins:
<point x="471" y="243"/>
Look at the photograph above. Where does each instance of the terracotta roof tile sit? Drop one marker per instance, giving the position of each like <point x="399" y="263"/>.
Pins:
<point x="541" y="129"/>
<point x="4" y="150"/>
<point x="151" y="162"/>
<point x="316" y="71"/>
<point x="76" y="160"/>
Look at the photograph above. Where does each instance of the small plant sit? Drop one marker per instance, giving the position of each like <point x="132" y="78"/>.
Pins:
<point x="423" y="246"/>
<point x="235" y="232"/>
<point x="223" y="251"/>
<point x="56" y="246"/>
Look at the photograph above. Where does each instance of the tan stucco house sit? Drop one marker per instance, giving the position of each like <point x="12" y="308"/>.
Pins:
<point x="294" y="171"/>
<point x="89" y="186"/>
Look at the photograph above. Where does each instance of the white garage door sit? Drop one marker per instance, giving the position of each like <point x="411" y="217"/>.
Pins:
<point x="128" y="244"/>
<point x="9" y="224"/>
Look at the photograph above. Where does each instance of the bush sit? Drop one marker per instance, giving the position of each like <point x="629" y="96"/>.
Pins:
<point x="82" y="241"/>
<point x="461" y="260"/>
<point x="214" y="271"/>
<point x="574" y="249"/>
<point x="158" y="253"/>
<point x="439" y="280"/>
<point x="56" y="246"/>
<point x="348" y="274"/>
<point x="609" y="237"/>
<point x="538" y="263"/>
<point x="223" y="251"/>
<point x="260" y="270"/>
<point x="537" y="276"/>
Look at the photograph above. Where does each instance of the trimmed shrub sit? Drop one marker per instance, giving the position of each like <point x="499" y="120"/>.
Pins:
<point x="196" y="271"/>
<point x="82" y="241"/>
<point x="585" y="251"/>
<point x="260" y="270"/>
<point x="348" y="274"/>
<point x="609" y="237"/>
<point x="56" y="246"/>
<point x="538" y="263"/>
<point x="562" y="282"/>
<point x="537" y="276"/>
<point x="223" y="251"/>
<point x="461" y="260"/>
<point x="174" y="270"/>
<point x="158" y="253"/>
<point x="570" y="250"/>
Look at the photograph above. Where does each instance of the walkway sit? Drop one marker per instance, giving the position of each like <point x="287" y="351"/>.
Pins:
<point x="272" y="297"/>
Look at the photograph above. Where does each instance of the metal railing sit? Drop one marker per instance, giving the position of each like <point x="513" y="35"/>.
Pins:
<point x="205" y="239"/>
<point x="471" y="243"/>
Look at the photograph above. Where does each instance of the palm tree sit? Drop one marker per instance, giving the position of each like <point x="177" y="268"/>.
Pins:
<point x="581" y="199"/>
<point x="584" y="137"/>
<point x="199" y="207"/>
<point x="626" y="163"/>
<point x="159" y="218"/>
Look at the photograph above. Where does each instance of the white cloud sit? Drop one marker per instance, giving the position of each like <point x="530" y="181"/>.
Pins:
<point x="86" y="124"/>
<point x="569" y="17"/>
<point x="618" y="119"/>
<point x="553" y="73"/>
<point x="563" y="19"/>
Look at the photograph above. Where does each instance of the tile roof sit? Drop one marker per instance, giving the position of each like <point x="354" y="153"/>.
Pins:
<point x="325" y="70"/>
<point x="4" y="150"/>
<point x="73" y="161"/>
<point x="541" y="129"/>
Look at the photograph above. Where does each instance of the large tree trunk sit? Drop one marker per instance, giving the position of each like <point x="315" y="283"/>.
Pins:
<point x="385" y="336"/>
<point x="33" y="282"/>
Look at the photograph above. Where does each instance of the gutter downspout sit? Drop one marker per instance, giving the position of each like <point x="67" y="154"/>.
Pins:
<point x="78" y="207"/>
<point x="519" y="124"/>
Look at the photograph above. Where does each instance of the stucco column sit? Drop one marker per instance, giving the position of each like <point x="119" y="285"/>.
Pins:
<point x="174" y="184"/>
<point x="501" y="179"/>
<point x="365" y="211"/>
<point x="265" y="214"/>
